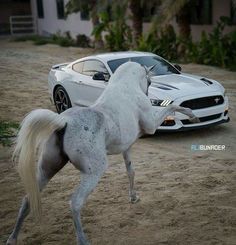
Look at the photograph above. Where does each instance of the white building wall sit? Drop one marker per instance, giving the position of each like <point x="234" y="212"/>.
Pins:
<point x="219" y="8"/>
<point x="50" y="24"/>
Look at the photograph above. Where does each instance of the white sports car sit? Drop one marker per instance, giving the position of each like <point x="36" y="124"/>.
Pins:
<point x="81" y="82"/>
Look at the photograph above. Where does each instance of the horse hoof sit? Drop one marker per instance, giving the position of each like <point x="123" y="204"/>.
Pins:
<point x="84" y="241"/>
<point x="135" y="199"/>
<point x="11" y="241"/>
<point x="194" y="120"/>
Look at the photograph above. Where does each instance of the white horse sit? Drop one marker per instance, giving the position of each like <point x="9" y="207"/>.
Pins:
<point x="84" y="136"/>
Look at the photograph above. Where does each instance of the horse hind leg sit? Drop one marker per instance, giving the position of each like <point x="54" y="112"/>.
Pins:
<point x="89" y="179"/>
<point x="50" y="162"/>
<point x="130" y="171"/>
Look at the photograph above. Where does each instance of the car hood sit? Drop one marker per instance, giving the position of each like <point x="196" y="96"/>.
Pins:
<point x="179" y="85"/>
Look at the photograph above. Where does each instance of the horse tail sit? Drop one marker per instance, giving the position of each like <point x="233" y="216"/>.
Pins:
<point x="35" y="129"/>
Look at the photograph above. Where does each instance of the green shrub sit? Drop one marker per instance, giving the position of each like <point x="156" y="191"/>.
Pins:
<point x="117" y="32"/>
<point x="41" y="40"/>
<point x="7" y="132"/>
<point x="215" y="48"/>
<point x="64" y="40"/>
<point x="26" y="38"/>
<point x="162" y="42"/>
<point x="82" y="41"/>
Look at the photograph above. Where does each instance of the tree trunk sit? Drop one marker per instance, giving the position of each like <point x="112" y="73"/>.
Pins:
<point x="184" y="29"/>
<point x="98" y="42"/>
<point x="137" y="20"/>
<point x="184" y="22"/>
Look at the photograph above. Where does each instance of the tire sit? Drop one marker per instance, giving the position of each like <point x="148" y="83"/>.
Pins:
<point x="61" y="99"/>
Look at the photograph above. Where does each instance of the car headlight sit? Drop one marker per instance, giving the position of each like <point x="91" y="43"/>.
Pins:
<point x="163" y="103"/>
<point x="155" y="102"/>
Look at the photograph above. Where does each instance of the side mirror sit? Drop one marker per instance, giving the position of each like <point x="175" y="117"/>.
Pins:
<point x="178" y="67"/>
<point x="99" y="76"/>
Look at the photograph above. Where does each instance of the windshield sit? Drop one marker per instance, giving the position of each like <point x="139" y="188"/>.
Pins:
<point x="162" y="67"/>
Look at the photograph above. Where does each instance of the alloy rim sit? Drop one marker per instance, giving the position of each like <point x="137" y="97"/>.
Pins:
<point x="61" y="100"/>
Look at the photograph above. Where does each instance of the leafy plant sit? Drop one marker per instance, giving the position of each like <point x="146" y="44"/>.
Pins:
<point x="38" y="40"/>
<point x="215" y="48"/>
<point x="91" y="8"/>
<point x="82" y="41"/>
<point x="162" y="42"/>
<point x="116" y="31"/>
<point x="64" y="40"/>
<point x="7" y="132"/>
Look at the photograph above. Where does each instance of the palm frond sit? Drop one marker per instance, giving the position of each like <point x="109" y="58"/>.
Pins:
<point x="171" y="7"/>
<point x="167" y="10"/>
<point x="72" y="6"/>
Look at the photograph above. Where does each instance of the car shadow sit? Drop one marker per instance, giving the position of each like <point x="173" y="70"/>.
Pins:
<point x="204" y="133"/>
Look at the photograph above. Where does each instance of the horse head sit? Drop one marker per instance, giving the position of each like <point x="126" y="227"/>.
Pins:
<point x="149" y="73"/>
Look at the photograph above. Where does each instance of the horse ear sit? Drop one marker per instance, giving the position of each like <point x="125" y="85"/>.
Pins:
<point x="151" y="68"/>
<point x="146" y="69"/>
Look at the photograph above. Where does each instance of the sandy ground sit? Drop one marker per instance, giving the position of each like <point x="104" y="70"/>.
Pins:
<point x="187" y="197"/>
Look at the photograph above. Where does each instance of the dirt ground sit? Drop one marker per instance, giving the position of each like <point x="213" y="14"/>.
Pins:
<point x="187" y="197"/>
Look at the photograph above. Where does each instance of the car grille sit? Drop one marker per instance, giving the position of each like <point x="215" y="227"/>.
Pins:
<point x="203" y="119"/>
<point x="203" y="102"/>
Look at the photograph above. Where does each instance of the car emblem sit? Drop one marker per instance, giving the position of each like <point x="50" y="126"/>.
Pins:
<point x="217" y="100"/>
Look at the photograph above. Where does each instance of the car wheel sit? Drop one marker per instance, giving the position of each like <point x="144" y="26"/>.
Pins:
<point x="61" y="99"/>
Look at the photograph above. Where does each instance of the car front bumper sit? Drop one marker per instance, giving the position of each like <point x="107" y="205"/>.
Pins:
<point x="208" y="117"/>
<point x="195" y="127"/>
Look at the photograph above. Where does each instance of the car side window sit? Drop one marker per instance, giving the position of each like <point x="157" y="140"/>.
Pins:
<point x="78" y="67"/>
<point x="93" y="66"/>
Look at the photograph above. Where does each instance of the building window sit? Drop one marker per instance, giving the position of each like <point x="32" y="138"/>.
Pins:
<point x="40" y="9"/>
<point x="60" y="9"/>
<point x="84" y="13"/>
<point x="149" y="9"/>
<point x="233" y="12"/>
<point x="201" y="12"/>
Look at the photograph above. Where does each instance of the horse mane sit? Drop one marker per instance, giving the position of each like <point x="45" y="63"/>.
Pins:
<point x="128" y="72"/>
<point x="127" y="77"/>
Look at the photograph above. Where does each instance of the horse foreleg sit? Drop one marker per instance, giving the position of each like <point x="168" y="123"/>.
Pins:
<point x="186" y="111"/>
<point x="132" y="193"/>
<point x="88" y="181"/>
<point x="169" y="110"/>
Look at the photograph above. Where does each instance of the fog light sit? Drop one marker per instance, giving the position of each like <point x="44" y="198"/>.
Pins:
<point x="169" y="118"/>
<point x="169" y="121"/>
